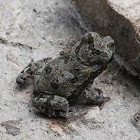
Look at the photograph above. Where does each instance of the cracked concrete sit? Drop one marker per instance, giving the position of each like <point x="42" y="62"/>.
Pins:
<point x="39" y="29"/>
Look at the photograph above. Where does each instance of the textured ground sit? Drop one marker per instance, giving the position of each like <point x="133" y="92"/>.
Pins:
<point x="42" y="28"/>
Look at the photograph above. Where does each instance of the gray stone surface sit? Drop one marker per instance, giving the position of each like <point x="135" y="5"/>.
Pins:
<point x="121" y="20"/>
<point x="42" y="28"/>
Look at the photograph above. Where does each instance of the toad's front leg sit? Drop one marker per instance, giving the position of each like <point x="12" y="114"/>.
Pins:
<point x="51" y="105"/>
<point x="93" y="96"/>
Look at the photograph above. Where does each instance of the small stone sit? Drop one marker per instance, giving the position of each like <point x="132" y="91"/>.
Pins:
<point x="11" y="128"/>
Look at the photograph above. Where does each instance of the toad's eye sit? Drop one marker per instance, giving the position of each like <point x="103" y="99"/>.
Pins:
<point x="110" y="45"/>
<point x="90" y="38"/>
<point x="84" y="39"/>
<point x="87" y="38"/>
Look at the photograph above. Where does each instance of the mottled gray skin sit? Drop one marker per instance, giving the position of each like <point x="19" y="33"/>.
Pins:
<point x="69" y="77"/>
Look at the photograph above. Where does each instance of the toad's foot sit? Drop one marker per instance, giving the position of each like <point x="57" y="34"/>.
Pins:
<point x="51" y="105"/>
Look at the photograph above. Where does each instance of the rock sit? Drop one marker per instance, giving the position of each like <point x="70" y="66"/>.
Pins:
<point x="121" y="20"/>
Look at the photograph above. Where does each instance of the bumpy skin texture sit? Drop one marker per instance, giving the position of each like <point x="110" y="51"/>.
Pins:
<point x="69" y="77"/>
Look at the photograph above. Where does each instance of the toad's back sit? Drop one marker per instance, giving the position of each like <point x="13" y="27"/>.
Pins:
<point x="64" y="76"/>
<point x="69" y="74"/>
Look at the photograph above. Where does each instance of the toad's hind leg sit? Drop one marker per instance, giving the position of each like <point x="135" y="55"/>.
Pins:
<point x="25" y="73"/>
<point x="51" y="105"/>
<point x="32" y="69"/>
